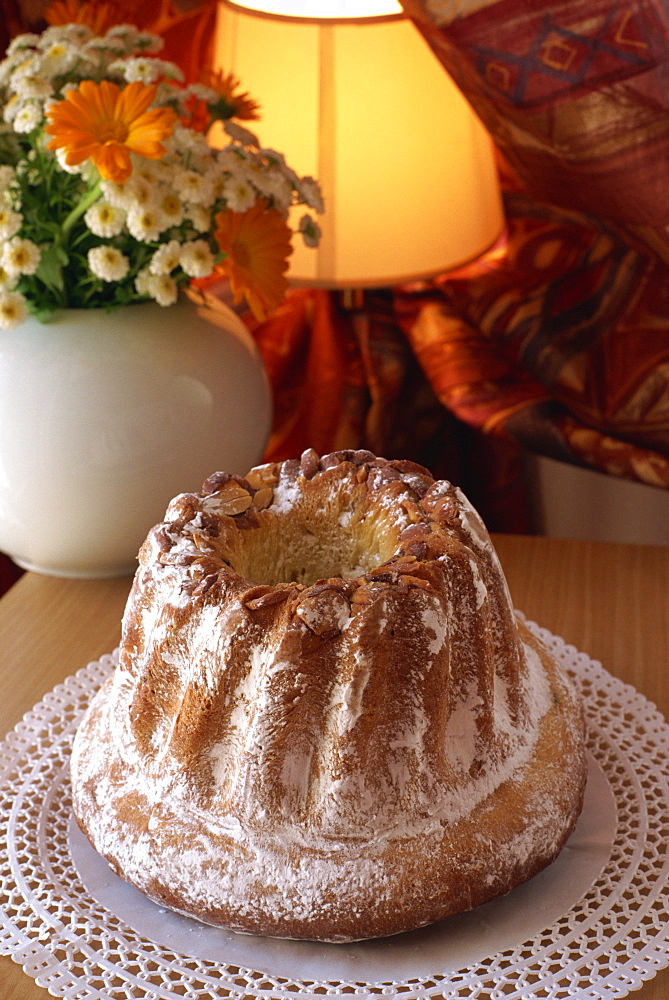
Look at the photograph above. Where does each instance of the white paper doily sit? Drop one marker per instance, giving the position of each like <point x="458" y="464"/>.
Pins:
<point x="57" y="922"/>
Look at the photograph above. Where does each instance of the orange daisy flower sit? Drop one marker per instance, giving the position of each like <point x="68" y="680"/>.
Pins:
<point x="104" y="123"/>
<point x="98" y="15"/>
<point x="230" y="104"/>
<point x="196" y="115"/>
<point x="256" y="244"/>
<point x="226" y="85"/>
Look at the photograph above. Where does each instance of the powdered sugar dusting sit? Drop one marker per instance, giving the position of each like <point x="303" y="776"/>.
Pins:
<point x="435" y="624"/>
<point x="295" y="741"/>
<point x="481" y="589"/>
<point x="273" y="866"/>
<point x="337" y="613"/>
<point x="346" y="697"/>
<point x="471" y="521"/>
<point x="286" y="495"/>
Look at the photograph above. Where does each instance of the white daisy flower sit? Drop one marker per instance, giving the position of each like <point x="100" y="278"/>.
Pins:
<point x="142" y="281"/>
<point x="145" y="224"/>
<point x="239" y="194"/>
<point x="108" y="263"/>
<point x="106" y="46"/>
<point x="185" y="143"/>
<point x="275" y="185"/>
<point x="218" y="182"/>
<point x="9" y="199"/>
<point x="309" y="190"/>
<point x="230" y="157"/>
<point x="146" y="70"/>
<point x="139" y="192"/>
<point x="182" y="138"/>
<point x="126" y="32"/>
<point x="13" y="105"/>
<point x="34" y="86"/>
<point x="139" y="68"/>
<point x="29" y="66"/>
<point x="32" y="176"/>
<point x="171" y="206"/>
<point x="166" y="258"/>
<point x="7" y="280"/>
<point x="104" y="219"/>
<point x="113" y="193"/>
<point x="10" y="222"/>
<point x="200" y="218"/>
<point x="150" y="171"/>
<point x="58" y="58"/>
<point x="28" y="118"/>
<point x="20" y="256"/>
<point x="13" y="309"/>
<point x="205" y="166"/>
<point x="163" y="289"/>
<point x="197" y="259"/>
<point x="170" y="95"/>
<point x="273" y="155"/>
<point x="22" y="42"/>
<point x="147" y="42"/>
<point x="202" y="93"/>
<point x="194" y="188"/>
<point x="72" y="33"/>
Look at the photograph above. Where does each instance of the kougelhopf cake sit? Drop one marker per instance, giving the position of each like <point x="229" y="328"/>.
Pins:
<point x="327" y="721"/>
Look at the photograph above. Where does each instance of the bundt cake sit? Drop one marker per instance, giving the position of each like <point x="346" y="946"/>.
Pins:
<point x="327" y="722"/>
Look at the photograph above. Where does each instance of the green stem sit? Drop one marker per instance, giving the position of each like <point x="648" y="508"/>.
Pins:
<point x="85" y="203"/>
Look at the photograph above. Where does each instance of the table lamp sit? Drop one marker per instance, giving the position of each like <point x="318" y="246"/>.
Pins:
<point x="352" y="95"/>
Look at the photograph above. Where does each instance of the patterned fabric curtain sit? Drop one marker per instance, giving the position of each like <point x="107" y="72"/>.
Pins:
<point x="560" y="338"/>
<point x="346" y="377"/>
<point x="557" y="342"/>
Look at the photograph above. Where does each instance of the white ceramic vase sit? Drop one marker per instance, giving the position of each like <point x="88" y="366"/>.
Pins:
<point x="104" y="417"/>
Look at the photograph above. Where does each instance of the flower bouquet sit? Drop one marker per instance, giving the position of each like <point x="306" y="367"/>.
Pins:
<point x="111" y="194"/>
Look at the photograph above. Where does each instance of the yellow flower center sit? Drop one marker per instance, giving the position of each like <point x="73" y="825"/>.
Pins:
<point x="113" y="131"/>
<point x="171" y="205"/>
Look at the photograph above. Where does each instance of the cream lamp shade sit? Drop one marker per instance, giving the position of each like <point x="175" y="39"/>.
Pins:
<point x="353" y="96"/>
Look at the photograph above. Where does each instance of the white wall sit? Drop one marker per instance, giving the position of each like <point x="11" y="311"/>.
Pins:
<point x="578" y="503"/>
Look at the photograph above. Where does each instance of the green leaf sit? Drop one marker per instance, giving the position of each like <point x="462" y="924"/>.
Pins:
<point x="44" y="313"/>
<point x="50" y="267"/>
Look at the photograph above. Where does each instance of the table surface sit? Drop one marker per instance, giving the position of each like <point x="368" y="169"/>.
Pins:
<point x="610" y="601"/>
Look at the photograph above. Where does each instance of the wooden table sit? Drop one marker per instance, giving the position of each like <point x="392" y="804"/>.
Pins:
<point x="611" y="601"/>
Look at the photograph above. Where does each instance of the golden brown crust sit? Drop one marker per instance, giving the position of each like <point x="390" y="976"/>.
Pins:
<point x="359" y="742"/>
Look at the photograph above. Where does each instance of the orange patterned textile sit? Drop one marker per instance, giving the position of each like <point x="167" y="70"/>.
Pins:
<point x="559" y="339"/>
<point x="348" y="378"/>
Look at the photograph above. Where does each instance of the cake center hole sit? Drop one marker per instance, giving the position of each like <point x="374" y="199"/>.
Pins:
<point x="307" y="544"/>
